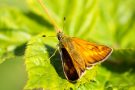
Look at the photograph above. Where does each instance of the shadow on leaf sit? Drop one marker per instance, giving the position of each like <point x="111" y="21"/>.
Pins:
<point x="119" y="67"/>
<point x="55" y="61"/>
<point x="121" y="61"/>
<point x="19" y="51"/>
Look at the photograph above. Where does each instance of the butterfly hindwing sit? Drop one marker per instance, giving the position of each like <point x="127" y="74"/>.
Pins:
<point x="68" y="67"/>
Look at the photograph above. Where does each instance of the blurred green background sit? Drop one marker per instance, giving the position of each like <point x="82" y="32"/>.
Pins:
<point x="109" y="22"/>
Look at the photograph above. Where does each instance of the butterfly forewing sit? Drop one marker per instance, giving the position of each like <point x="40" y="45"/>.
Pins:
<point x="79" y="54"/>
<point x="91" y="52"/>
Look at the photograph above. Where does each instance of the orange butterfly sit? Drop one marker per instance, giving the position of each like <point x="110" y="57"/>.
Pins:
<point x="77" y="55"/>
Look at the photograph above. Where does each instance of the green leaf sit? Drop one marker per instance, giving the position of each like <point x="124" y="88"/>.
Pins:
<point x="46" y="73"/>
<point x="107" y="76"/>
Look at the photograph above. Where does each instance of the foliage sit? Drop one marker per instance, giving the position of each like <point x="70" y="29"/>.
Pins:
<point x="103" y="21"/>
<point x="47" y="73"/>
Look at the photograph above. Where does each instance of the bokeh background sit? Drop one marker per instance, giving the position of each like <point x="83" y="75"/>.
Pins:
<point x="109" y="22"/>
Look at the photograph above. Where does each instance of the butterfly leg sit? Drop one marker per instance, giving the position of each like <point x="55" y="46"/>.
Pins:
<point x="60" y="52"/>
<point x="53" y="53"/>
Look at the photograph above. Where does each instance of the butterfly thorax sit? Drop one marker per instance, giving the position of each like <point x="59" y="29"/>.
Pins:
<point x="63" y="39"/>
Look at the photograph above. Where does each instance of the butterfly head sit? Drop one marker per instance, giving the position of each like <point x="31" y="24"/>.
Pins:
<point x="60" y="35"/>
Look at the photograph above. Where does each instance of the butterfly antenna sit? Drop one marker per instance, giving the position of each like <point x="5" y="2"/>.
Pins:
<point x="52" y="20"/>
<point x="47" y="36"/>
<point x="64" y="23"/>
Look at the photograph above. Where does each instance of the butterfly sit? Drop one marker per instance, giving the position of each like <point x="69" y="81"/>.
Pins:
<point x="77" y="55"/>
